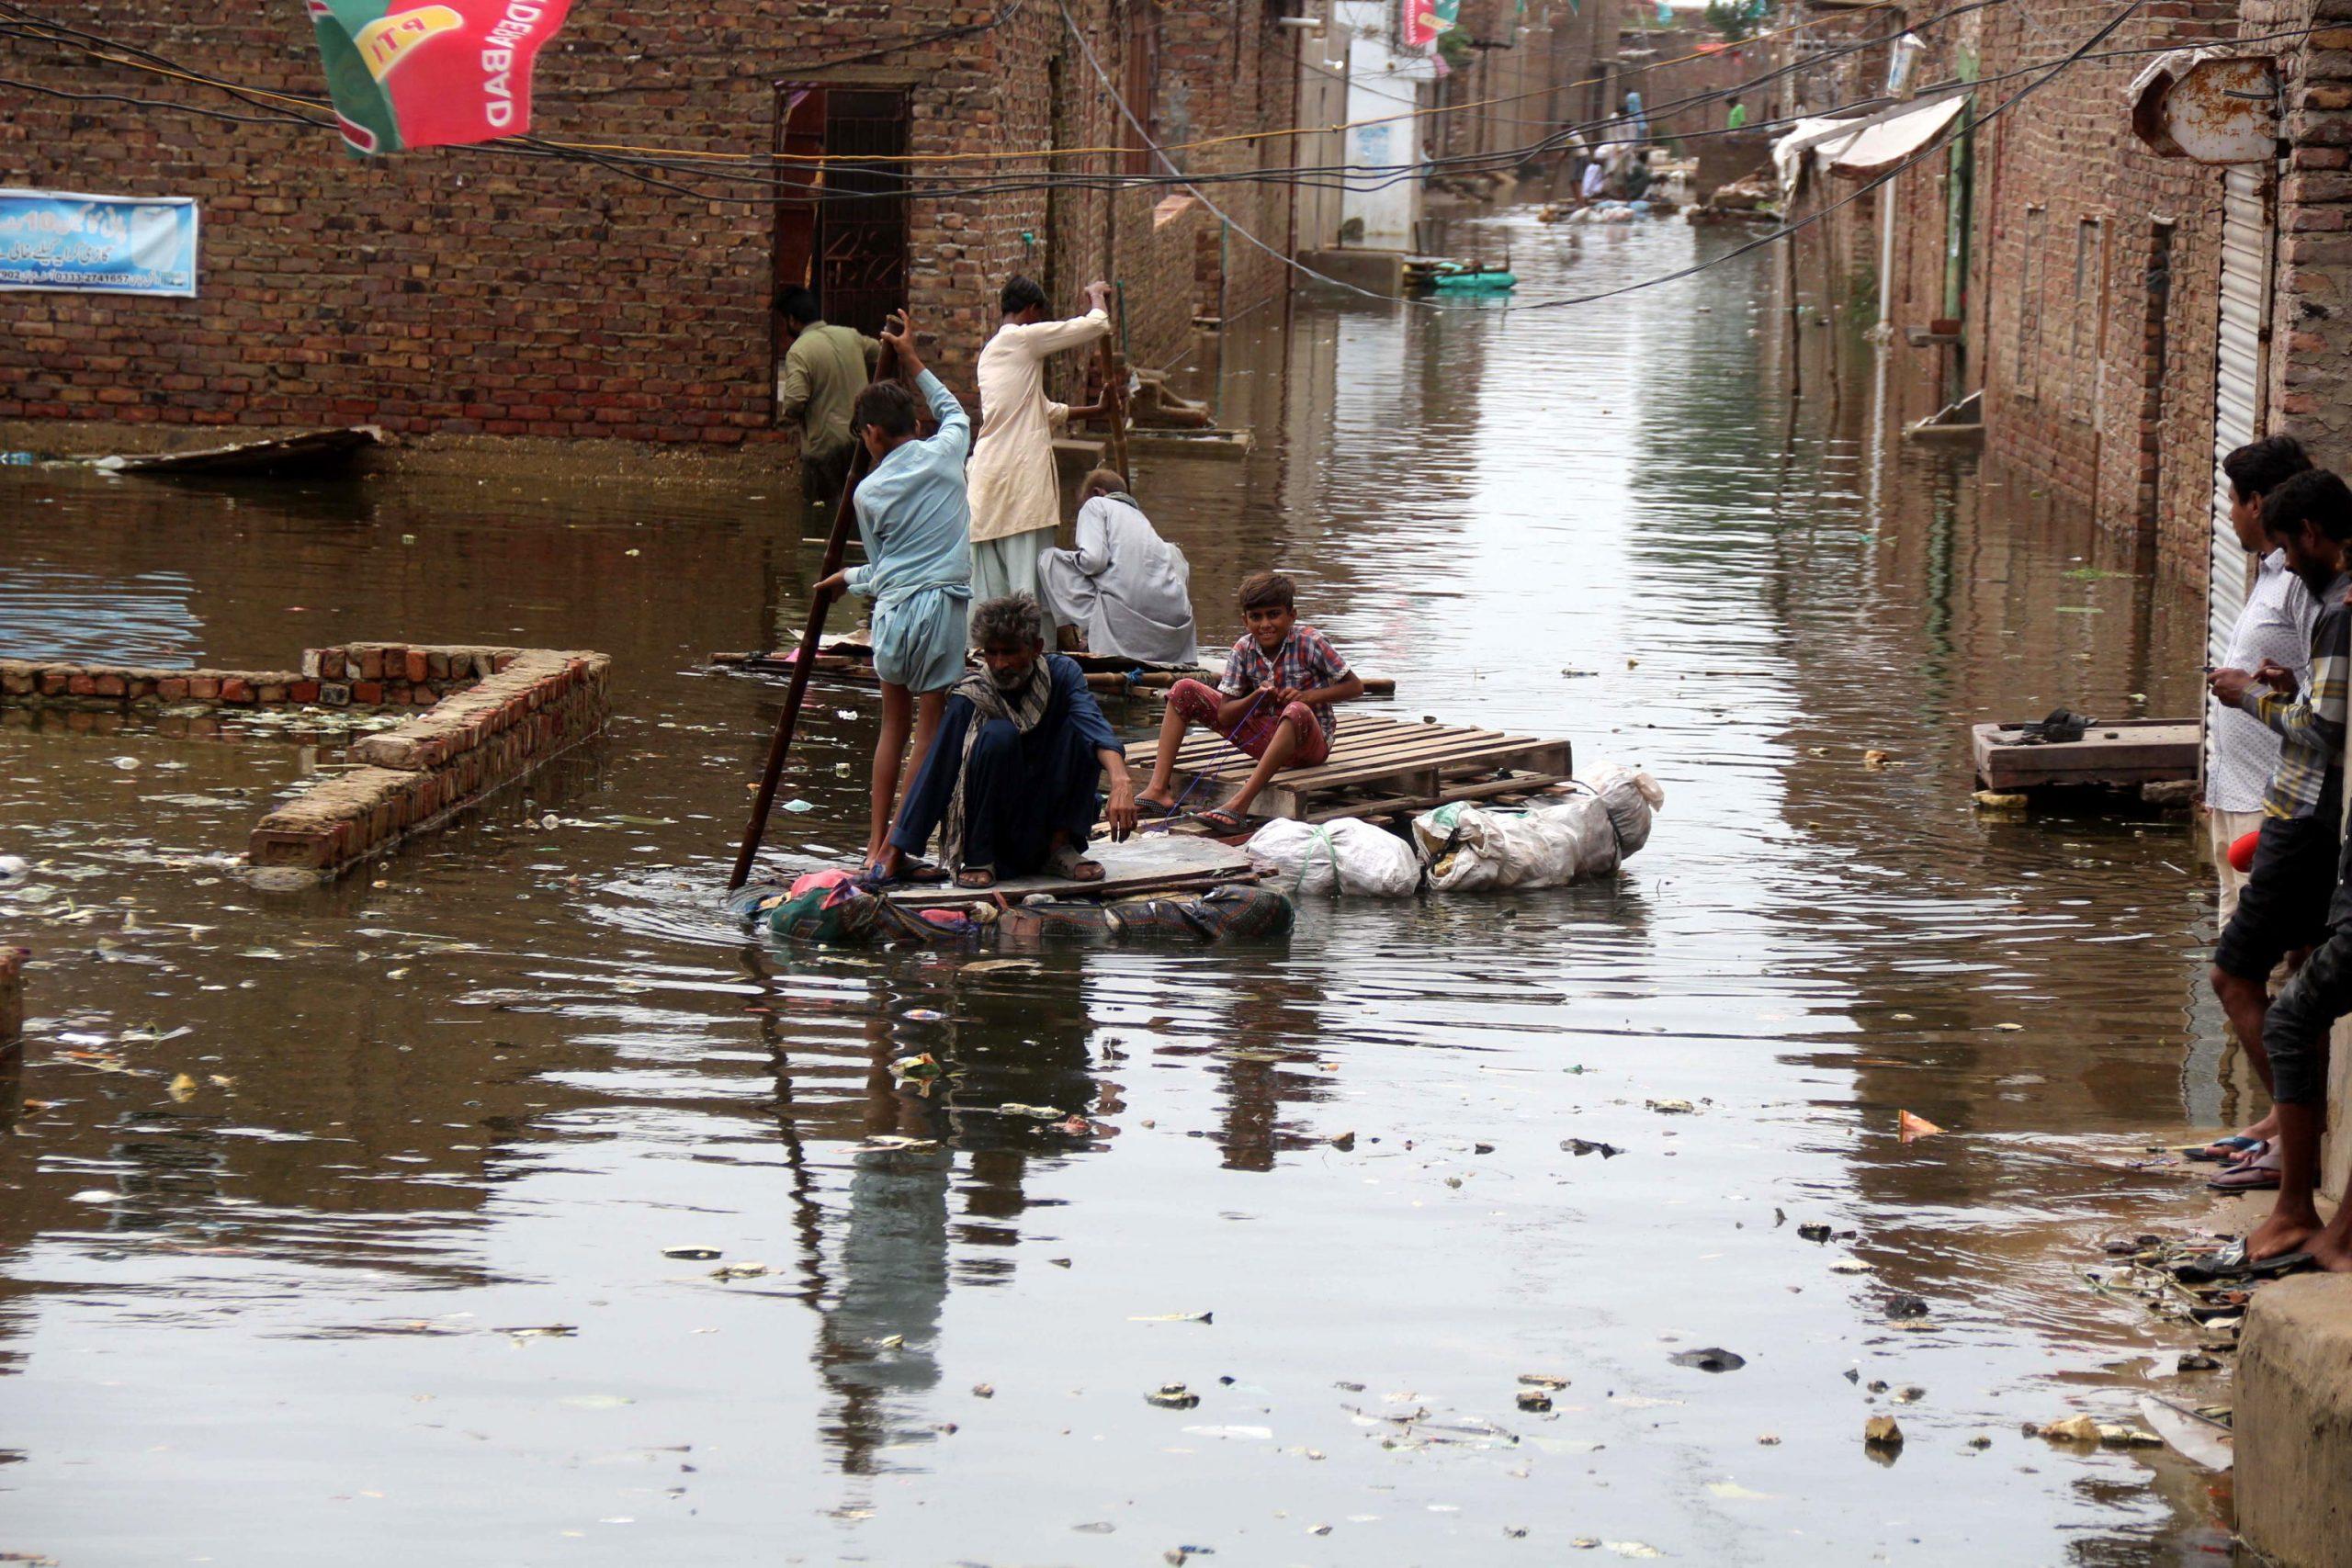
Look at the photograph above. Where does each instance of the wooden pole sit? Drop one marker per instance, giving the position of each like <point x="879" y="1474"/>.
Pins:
<point x="796" y="690"/>
<point x="1115" y="406"/>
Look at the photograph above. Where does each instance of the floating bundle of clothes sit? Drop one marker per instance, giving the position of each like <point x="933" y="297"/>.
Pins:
<point x="830" y="907"/>
<point x="1464" y="848"/>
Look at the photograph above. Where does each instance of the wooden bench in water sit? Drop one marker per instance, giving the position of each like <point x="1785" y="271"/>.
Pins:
<point x="2131" y="751"/>
<point x="1378" y="767"/>
<point x="1147" y="862"/>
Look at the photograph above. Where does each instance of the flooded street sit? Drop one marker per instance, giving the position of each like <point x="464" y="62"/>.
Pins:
<point x="386" y="1269"/>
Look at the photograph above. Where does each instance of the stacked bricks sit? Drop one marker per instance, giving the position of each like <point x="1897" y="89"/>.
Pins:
<point x="534" y="703"/>
<point x="12" y="993"/>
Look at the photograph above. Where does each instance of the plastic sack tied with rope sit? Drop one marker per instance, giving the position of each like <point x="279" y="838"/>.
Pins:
<point x="1586" y="834"/>
<point x="1346" y="856"/>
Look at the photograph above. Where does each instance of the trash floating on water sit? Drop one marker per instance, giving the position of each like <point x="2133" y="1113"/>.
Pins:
<point x="983" y="1390"/>
<point x="1995" y="800"/>
<point x="1671" y="1107"/>
<point x="797" y="805"/>
<point x="920" y="1070"/>
<point x="1177" y="1317"/>
<point x="1713" y="1359"/>
<point x="1173" y="1396"/>
<point x="1881" y="1432"/>
<point x="692" y="1254"/>
<point x="922" y="1015"/>
<point x="1906" y="1306"/>
<point x="1040" y="1113"/>
<point x="2089" y="1429"/>
<point x="740" y="1271"/>
<point x="1910" y="1126"/>
<point x="1876" y="760"/>
<point x="1543" y="1380"/>
<point x="1582" y="1146"/>
<point x="1814" y="1232"/>
<point x="1533" y="1399"/>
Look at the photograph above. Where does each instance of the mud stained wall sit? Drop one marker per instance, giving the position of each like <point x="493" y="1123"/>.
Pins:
<point x="483" y="291"/>
<point x="2069" y="318"/>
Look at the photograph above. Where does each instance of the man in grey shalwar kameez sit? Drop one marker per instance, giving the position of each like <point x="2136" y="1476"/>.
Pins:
<point x="1127" y="588"/>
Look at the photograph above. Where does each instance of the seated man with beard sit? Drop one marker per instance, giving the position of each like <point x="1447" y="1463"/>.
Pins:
<point x="1009" y="785"/>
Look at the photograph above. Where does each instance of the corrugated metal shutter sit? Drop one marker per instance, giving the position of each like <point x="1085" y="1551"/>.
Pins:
<point x="2238" y="357"/>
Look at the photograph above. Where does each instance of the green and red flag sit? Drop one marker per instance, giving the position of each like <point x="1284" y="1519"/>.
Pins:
<point x="405" y="74"/>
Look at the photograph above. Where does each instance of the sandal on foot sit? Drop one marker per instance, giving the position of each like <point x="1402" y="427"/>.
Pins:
<point x="920" y="871"/>
<point x="1071" y="866"/>
<point x="976" y="878"/>
<point x="1218" y="820"/>
<point x="2279" y="1266"/>
<point x="1154" y="810"/>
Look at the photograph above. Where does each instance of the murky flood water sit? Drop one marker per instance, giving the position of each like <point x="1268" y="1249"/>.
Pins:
<point x="391" y="1276"/>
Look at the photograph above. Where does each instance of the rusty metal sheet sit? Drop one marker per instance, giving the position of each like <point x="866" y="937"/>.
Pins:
<point x="2208" y="106"/>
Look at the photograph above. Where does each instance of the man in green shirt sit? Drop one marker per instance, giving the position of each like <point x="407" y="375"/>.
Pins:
<point x="825" y="370"/>
<point x="1737" y="118"/>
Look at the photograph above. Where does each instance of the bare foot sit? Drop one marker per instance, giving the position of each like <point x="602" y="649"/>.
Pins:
<point x="2331" y="1250"/>
<point x="2282" y="1234"/>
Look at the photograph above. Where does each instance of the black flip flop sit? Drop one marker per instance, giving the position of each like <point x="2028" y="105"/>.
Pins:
<point x="920" y="871"/>
<point x="1216" y="819"/>
<point x="2277" y="1268"/>
<point x="1154" y="810"/>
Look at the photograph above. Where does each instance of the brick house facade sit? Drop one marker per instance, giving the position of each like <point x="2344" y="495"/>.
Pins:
<point x="454" y="292"/>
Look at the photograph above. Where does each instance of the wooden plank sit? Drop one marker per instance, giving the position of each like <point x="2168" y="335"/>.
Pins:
<point x="1148" y="863"/>
<point x="2136" y="752"/>
<point x="1393" y="806"/>
<point x="1544" y="756"/>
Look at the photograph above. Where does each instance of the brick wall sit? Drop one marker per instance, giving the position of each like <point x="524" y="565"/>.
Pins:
<point x="2091" y="266"/>
<point x="465" y="292"/>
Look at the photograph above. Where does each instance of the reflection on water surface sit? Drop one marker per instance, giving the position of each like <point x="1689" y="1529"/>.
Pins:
<point x="392" y="1272"/>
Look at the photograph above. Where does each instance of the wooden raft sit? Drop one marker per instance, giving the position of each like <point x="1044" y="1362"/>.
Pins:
<point x="2129" y="753"/>
<point x="849" y="660"/>
<point x="1147" y="862"/>
<point x="1377" y="767"/>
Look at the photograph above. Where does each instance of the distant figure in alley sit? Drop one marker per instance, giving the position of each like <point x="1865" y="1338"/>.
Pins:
<point x="825" y="370"/>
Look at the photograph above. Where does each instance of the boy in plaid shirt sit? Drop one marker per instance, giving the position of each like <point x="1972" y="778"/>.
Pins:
<point x="1274" y="702"/>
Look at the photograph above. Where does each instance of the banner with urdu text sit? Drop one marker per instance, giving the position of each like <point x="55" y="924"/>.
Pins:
<point x="97" y="244"/>
<point x="403" y="74"/>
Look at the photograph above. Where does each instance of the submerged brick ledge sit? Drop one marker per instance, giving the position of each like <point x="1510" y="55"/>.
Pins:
<point x="491" y="716"/>
<point x="12" y="992"/>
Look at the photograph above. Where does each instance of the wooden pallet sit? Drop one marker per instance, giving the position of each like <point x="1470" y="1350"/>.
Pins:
<point x="2129" y="751"/>
<point x="1378" y="766"/>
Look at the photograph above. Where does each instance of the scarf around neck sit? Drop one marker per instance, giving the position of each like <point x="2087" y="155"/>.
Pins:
<point x="1024" y="705"/>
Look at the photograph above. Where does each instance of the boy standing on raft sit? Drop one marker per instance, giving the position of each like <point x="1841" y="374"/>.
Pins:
<point x="913" y="519"/>
<point x="1273" y="703"/>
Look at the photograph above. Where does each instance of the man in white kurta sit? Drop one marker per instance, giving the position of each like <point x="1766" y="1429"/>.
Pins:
<point x="1015" y="496"/>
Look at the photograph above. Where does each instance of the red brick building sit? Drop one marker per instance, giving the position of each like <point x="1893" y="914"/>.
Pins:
<point x="626" y="294"/>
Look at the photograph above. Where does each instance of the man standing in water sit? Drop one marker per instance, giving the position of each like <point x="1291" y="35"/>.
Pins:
<point x="823" y="371"/>
<point x="918" y="570"/>
<point x="1016" y="497"/>
<point x="2310" y="517"/>
<point x="2273" y="627"/>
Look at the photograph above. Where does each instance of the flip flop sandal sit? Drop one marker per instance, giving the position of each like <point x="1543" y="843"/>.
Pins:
<point x="2286" y="1263"/>
<point x="1154" y="810"/>
<point x="1064" y="863"/>
<point x="2247" y="1178"/>
<point x="1218" y="820"/>
<point x="920" y="871"/>
<point x="985" y="873"/>
<point x="2221" y="1150"/>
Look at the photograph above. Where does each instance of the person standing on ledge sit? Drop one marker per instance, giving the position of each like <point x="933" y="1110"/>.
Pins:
<point x="823" y="371"/>
<point x="1016" y="497"/>
<point x="918" y="570"/>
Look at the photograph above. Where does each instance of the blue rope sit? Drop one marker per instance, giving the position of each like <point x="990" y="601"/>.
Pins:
<point x="1175" y="812"/>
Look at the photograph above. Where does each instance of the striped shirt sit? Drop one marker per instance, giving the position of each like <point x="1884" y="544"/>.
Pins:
<point x="2274" y="624"/>
<point x="2310" y="725"/>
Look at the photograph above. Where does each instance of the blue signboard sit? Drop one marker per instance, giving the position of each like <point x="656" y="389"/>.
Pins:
<point x="97" y="244"/>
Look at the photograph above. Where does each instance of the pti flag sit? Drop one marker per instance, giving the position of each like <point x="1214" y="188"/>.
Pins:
<point x="1424" y="20"/>
<point x="431" y="75"/>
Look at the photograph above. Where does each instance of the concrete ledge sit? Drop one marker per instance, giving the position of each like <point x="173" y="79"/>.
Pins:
<point x="2294" y="1423"/>
<point x="1381" y="272"/>
<point x="12" y="992"/>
